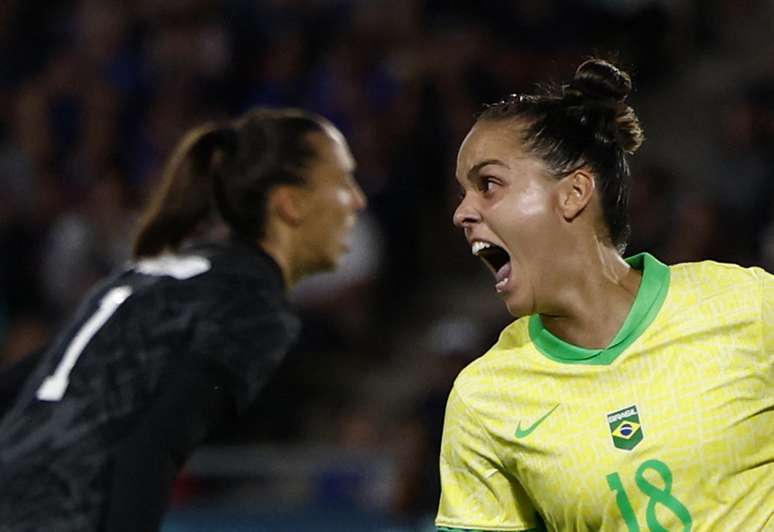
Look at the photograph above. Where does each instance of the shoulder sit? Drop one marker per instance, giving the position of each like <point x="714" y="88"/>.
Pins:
<point x="208" y="288"/>
<point x="708" y="278"/>
<point x="498" y="362"/>
<point x="723" y="272"/>
<point x="237" y="260"/>
<point x="708" y="292"/>
<point x="217" y="272"/>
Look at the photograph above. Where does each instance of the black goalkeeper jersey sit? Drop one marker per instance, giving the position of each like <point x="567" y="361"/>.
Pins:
<point x="156" y="357"/>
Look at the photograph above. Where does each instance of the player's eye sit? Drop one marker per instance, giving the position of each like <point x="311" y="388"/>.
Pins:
<point x="486" y="184"/>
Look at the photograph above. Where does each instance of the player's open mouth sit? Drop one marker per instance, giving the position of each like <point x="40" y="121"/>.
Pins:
<point x="496" y="259"/>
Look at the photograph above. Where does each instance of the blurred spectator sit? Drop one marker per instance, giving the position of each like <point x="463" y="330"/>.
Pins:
<point x="23" y="335"/>
<point x="21" y="344"/>
<point x="449" y="344"/>
<point x="652" y="209"/>
<point x="85" y="244"/>
<point x="743" y="181"/>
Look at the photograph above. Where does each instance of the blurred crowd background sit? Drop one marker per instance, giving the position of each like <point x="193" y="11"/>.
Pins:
<point x="94" y="94"/>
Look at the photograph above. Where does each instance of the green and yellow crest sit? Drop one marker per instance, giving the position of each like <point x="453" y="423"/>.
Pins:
<point x="625" y="428"/>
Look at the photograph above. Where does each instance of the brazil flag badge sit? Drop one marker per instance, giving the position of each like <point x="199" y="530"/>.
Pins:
<point x="625" y="428"/>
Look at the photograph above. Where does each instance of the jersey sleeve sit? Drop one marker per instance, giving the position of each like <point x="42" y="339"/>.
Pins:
<point x="476" y="491"/>
<point x="146" y="461"/>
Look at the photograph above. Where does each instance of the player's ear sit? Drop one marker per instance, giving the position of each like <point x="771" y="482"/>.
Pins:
<point x="575" y="193"/>
<point x="288" y="203"/>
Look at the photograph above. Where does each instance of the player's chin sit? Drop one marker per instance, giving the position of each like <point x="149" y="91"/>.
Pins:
<point x="336" y="263"/>
<point x="333" y="259"/>
<point x="336" y="256"/>
<point x="516" y="307"/>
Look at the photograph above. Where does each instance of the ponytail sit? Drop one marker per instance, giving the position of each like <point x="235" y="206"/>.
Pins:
<point x="185" y="197"/>
<point x="225" y="174"/>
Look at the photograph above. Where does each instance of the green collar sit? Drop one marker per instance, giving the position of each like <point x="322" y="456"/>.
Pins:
<point x="650" y="296"/>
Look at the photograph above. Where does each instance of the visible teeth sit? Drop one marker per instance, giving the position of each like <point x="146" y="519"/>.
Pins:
<point x="478" y="246"/>
<point x="501" y="285"/>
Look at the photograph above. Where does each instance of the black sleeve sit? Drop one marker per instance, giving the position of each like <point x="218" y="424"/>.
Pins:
<point x="149" y="458"/>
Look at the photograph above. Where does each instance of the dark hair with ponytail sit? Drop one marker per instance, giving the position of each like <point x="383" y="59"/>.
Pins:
<point x="584" y="124"/>
<point x="226" y="171"/>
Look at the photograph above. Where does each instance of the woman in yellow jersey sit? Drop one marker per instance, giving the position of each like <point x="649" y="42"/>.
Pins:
<point x="628" y="395"/>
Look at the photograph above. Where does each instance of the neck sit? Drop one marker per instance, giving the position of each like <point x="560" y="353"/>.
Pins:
<point x="283" y="260"/>
<point x="596" y="290"/>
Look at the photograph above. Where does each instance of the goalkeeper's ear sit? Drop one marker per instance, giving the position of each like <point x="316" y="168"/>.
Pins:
<point x="287" y="204"/>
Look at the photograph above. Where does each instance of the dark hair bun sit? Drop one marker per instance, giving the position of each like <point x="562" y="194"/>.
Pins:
<point x="605" y="84"/>
<point x="597" y="79"/>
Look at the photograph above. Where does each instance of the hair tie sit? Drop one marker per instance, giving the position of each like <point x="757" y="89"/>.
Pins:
<point x="573" y="92"/>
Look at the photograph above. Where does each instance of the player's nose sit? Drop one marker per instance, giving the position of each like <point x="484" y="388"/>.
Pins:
<point x="359" y="200"/>
<point x="465" y="214"/>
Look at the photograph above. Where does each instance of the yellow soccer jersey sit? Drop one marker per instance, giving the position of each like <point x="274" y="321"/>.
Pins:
<point x="670" y="428"/>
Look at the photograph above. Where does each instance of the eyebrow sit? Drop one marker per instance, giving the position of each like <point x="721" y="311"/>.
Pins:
<point x="479" y="165"/>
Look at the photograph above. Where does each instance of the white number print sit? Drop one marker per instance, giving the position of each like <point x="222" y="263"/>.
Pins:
<point x="55" y="385"/>
<point x="176" y="266"/>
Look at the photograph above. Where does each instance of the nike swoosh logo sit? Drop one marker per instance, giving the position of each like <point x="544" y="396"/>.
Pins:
<point x="529" y="430"/>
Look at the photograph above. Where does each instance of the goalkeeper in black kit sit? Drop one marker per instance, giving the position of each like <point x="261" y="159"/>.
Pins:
<point x="181" y="340"/>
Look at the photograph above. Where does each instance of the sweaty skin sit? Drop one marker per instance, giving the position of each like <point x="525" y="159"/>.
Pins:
<point x="562" y="265"/>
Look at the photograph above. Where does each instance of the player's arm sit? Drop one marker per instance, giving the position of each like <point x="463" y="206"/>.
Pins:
<point x="477" y="493"/>
<point x="234" y="353"/>
<point x="146" y="463"/>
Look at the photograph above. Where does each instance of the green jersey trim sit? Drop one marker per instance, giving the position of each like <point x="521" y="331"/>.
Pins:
<point x="650" y="297"/>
